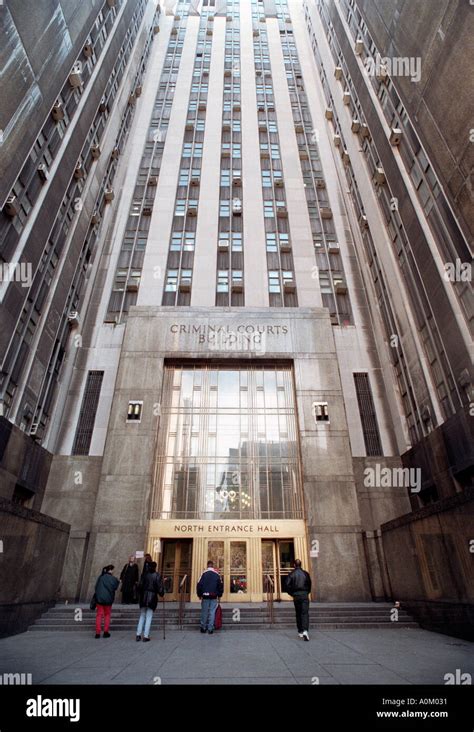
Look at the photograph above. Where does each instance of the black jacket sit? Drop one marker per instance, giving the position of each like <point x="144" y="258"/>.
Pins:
<point x="210" y="584"/>
<point x="105" y="589"/>
<point x="151" y="585"/>
<point x="298" y="581"/>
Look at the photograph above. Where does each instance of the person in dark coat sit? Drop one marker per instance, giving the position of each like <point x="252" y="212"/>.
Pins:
<point x="105" y="588"/>
<point x="151" y="585"/>
<point x="146" y="564"/>
<point x="298" y="585"/>
<point x="129" y="579"/>
<point x="209" y="588"/>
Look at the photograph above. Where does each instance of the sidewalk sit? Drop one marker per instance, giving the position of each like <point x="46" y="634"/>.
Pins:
<point x="399" y="656"/>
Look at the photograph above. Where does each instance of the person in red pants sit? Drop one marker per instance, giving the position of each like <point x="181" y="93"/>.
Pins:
<point x="105" y="588"/>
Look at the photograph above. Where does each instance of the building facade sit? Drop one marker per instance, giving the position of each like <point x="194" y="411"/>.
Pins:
<point x="244" y="350"/>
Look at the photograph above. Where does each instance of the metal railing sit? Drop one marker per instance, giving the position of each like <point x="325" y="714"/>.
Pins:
<point x="269" y="586"/>
<point x="182" y="601"/>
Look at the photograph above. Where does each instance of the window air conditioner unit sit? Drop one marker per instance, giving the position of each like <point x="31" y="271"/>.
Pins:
<point x="256" y="32"/>
<point x="379" y="176"/>
<point x="192" y="211"/>
<point x="132" y="100"/>
<point x="340" y="287"/>
<point x="338" y="72"/>
<point x="109" y="194"/>
<point x="111" y="3"/>
<point x="34" y="429"/>
<point x="346" y="157"/>
<point x="333" y="247"/>
<point x="395" y="136"/>
<point x="132" y="286"/>
<point x="320" y="183"/>
<point x="299" y="127"/>
<point x="57" y="112"/>
<point x="328" y="113"/>
<point x="177" y="17"/>
<point x="43" y="172"/>
<point x="282" y="212"/>
<point x="237" y="107"/>
<point x="364" y="222"/>
<point x="73" y="318"/>
<point x="75" y="78"/>
<point x="264" y="154"/>
<point x="95" y="218"/>
<point x="226" y="127"/>
<point x="237" y="207"/>
<point x="326" y="212"/>
<point x="174" y="31"/>
<point x="279" y="183"/>
<point x="228" y="72"/>
<point x="103" y="105"/>
<point x="189" y="126"/>
<point x="358" y="46"/>
<point x="346" y="97"/>
<point x="202" y="106"/>
<point x="153" y="180"/>
<point x="237" y="285"/>
<point x="223" y="245"/>
<point x="88" y="50"/>
<point x="262" y="126"/>
<point x="79" y="171"/>
<point x="115" y="154"/>
<point x="381" y="73"/>
<point x="156" y="29"/>
<point x="95" y="152"/>
<point x="11" y="207"/>
<point x="209" y="32"/>
<point x="226" y="152"/>
<point x="304" y="154"/>
<point x="237" y="180"/>
<point x="185" y="284"/>
<point x="364" y="130"/>
<point x="289" y="286"/>
<point x="147" y="209"/>
<point x="195" y="181"/>
<point x="285" y="247"/>
<point x="355" y="125"/>
<point x="138" y="90"/>
<point x="336" y="140"/>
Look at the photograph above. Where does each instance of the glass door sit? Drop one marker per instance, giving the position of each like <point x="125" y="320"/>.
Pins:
<point x="176" y="568"/>
<point x="278" y="557"/>
<point x="230" y="560"/>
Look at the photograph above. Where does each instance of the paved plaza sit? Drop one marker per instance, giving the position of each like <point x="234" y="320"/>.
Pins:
<point x="398" y="656"/>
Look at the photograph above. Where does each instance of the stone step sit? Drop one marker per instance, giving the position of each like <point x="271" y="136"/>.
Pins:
<point x="158" y="629"/>
<point x="227" y="618"/>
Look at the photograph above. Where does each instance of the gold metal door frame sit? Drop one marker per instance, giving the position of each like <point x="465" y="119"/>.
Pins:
<point x="177" y="569"/>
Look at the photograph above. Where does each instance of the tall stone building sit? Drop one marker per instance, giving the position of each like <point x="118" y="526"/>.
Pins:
<point x="252" y="344"/>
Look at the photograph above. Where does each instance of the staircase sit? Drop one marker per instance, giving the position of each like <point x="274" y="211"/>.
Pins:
<point x="251" y="616"/>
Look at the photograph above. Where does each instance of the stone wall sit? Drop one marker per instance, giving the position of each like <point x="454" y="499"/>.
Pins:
<point x="32" y="552"/>
<point x="430" y="563"/>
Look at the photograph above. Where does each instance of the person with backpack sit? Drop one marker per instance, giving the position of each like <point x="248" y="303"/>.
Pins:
<point x="209" y="588"/>
<point x="151" y="585"/>
<point x="298" y="585"/>
<point x="105" y="588"/>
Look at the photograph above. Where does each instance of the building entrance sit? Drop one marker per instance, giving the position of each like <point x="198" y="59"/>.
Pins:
<point x="175" y="568"/>
<point x="278" y="557"/>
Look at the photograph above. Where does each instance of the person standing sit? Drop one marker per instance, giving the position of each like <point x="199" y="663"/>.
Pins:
<point x="129" y="580"/>
<point x="151" y="585"/>
<point x="146" y="564"/>
<point x="298" y="585"/>
<point x="105" y="588"/>
<point x="209" y="588"/>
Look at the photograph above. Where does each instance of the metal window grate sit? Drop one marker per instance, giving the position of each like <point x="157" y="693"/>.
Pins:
<point x="89" y="405"/>
<point x="373" y="445"/>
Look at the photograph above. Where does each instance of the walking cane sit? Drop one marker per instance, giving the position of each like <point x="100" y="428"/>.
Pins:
<point x="164" y="632"/>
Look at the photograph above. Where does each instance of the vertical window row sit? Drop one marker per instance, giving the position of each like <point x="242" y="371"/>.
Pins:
<point x="230" y="255"/>
<point x="280" y="266"/>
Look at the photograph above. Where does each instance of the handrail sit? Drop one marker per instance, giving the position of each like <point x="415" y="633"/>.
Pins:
<point x="269" y="585"/>
<point x="182" y="601"/>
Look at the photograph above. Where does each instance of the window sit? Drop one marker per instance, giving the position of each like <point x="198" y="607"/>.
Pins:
<point x="171" y="280"/>
<point x="134" y="413"/>
<point x="320" y="411"/>
<point x="274" y="281"/>
<point x="222" y="281"/>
